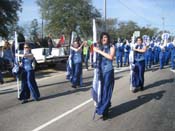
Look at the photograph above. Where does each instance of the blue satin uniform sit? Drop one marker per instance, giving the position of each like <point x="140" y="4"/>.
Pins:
<point x="77" y="68"/>
<point x="126" y="54"/>
<point x="172" y="50"/>
<point x="119" y="54"/>
<point x="139" y="69"/>
<point x="28" y="84"/>
<point x="162" y="57"/>
<point x="156" y="54"/>
<point x="107" y="85"/>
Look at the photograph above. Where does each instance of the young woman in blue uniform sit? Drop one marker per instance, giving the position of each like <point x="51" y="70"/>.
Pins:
<point x="156" y="53"/>
<point x="162" y="55"/>
<point x="139" y="61"/>
<point x="107" y="53"/>
<point x="76" y="50"/>
<point x="126" y="52"/>
<point x="172" y="49"/>
<point x="28" y="83"/>
<point x="1" y="78"/>
<point x="119" y="53"/>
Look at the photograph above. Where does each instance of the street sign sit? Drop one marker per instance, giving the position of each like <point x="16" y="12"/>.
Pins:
<point x="136" y="33"/>
<point x="165" y="36"/>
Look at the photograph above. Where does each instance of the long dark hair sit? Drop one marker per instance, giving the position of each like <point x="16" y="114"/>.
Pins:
<point x="106" y="34"/>
<point x="139" y="38"/>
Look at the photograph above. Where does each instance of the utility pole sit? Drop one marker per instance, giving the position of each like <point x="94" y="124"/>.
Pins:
<point x="42" y="27"/>
<point x="163" y="24"/>
<point x="105" y="15"/>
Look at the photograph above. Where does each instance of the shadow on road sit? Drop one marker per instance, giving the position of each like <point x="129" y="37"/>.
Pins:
<point x="159" y="83"/>
<point x="64" y="93"/>
<point x="86" y="86"/>
<point x="7" y="91"/>
<point x="131" y="105"/>
<point x="156" y="68"/>
<point x="90" y="79"/>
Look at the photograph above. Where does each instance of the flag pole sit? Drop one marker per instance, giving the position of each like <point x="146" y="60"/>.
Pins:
<point x="17" y="62"/>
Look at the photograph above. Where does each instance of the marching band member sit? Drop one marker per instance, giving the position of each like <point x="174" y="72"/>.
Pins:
<point x="139" y="61"/>
<point x="1" y="78"/>
<point x="126" y="52"/>
<point x="76" y="51"/>
<point x="172" y="48"/>
<point x="28" y="83"/>
<point x="119" y="53"/>
<point x="162" y="54"/>
<point x="107" y="53"/>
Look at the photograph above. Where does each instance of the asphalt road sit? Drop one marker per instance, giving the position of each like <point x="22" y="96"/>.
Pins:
<point x="62" y="108"/>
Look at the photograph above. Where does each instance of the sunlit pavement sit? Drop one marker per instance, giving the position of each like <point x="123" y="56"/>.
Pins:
<point x="63" y="108"/>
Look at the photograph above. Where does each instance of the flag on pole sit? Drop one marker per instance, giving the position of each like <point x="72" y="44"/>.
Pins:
<point x="96" y="85"/>
<point x="69" y="62"/>
<point x="17" y="63"/>
<point x="131" y="61"/>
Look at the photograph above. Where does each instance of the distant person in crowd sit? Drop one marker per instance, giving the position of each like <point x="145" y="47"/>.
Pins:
<point x="1" y="76"/>
<point x="50" y="43"/>
<point x="61" y="41"/>
<point x="149" y="55"/>
<point x="28" y="83"/>
<point x="162" y="54"/>
<point x="91" y="55"/>
<point x="126" y="53"/>
<point x="172" y="50"/>
<point x="86" y="54"/>
<point x="119" y="53"/>
<point x="106" y="53"/>
<point x="76" y="51"/>
<point x="167" y="52"/>
<point x="7" y="53"/>
<point x="156" y="52"/>
<point x="139" y="61"/>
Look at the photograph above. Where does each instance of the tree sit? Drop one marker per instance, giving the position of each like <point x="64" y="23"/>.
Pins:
<point x="111" y="26"/>
<point x="148" y="31"/>
<point x="67" y="16"/>
<point x="34" y="30"/>
<point x="126" y="29"/>
<point x="8" y="15"/>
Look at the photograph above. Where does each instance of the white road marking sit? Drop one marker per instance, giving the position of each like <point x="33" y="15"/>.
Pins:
<point x="172" y="70"/>
<point x="61" y="116"/>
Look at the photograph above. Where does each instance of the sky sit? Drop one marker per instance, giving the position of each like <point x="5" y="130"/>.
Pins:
<point x="143" y="12"/>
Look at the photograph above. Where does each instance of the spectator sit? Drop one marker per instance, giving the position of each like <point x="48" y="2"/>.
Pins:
<point x="50" y="43"/>
<point x="86" y="54"/>
<point x="7" y="53"/>
<point x="1" y="77"/>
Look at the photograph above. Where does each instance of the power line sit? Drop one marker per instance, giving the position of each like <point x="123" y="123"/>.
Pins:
<point x="134" y="12"/>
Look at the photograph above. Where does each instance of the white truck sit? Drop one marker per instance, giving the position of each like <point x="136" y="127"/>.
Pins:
<point x="42" y="56"/>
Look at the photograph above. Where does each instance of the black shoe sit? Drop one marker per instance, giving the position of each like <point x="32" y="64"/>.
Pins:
<point x="135" y="90"/>
<point x="2" y="82"/>
<point x="24" y="101"/>
<point x="105" y="116"/>
<point x="37" y="99"/>
<point x="141" y="88"/>
<point x="74" y="86"/>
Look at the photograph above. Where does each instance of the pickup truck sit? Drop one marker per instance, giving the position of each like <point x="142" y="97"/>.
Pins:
<point x="42" y="56"/>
